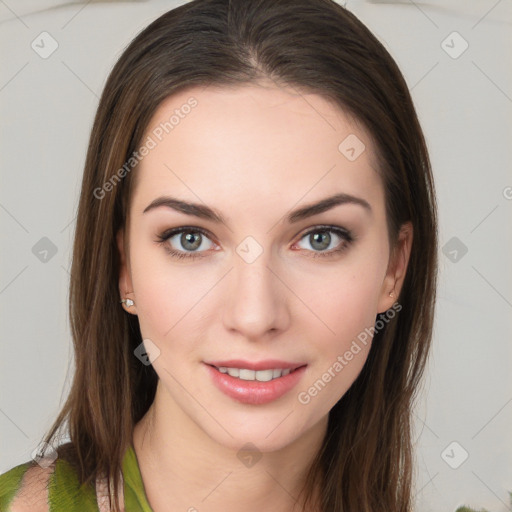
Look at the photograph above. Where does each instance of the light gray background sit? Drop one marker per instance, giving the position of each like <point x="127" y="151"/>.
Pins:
<point x="465" y="105"/>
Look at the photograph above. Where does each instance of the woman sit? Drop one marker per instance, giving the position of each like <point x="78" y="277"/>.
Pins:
<point x="253" y="277"/>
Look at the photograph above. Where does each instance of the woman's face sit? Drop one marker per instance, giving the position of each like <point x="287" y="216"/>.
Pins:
<point x="259" y="279"/>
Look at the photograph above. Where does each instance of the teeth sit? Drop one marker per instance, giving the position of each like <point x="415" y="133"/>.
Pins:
<point x="259" y="375"/>
<point x="246" y="374"/>
<point x="264" y="375"/>
<point x="234" y="372"/>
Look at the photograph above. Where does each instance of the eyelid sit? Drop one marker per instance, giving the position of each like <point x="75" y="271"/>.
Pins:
<point x="327" y="227"/>
<point x="192" y="229"/>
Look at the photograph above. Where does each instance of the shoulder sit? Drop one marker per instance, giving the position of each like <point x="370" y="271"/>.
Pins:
<point x="30" y="487"/>
<point x="25" y="488"/>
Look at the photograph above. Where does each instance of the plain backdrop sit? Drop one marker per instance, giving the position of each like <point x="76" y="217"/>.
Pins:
<point x="456" y="58"/>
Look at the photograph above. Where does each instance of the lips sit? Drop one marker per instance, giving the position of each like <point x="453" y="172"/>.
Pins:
<point x="268" y="364"/>
<point x="254" y="391"/>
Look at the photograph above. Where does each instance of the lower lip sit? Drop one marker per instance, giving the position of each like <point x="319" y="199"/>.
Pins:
<point x="253" y="391"/>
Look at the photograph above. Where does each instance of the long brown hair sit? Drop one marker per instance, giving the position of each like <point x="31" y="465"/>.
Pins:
<point x="366" y="461"/>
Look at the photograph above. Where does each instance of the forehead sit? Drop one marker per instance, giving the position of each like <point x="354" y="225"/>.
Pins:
<point x="255" y="142"/>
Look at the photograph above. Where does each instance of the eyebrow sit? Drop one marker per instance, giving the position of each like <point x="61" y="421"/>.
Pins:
<point x="205" y="212"/>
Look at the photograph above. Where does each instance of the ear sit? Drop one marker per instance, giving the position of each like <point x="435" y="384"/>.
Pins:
<point x="397" y="268"/>
<point x="125" y="280"/>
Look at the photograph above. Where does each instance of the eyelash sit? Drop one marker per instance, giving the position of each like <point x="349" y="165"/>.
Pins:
<point x="344" y="234"/>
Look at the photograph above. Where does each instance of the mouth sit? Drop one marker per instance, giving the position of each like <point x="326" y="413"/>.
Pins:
<point x="256" y="375"/>
<point x="255" y="383"/>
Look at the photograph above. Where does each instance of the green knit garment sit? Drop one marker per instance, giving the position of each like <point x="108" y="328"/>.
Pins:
<point x="65" y="493"/>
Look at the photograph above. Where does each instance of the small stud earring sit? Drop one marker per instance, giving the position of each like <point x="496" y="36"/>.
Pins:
<point x="128" y="302"/>
<point x="391" y="294"/>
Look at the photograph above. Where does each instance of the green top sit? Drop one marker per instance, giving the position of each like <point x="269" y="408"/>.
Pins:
<point x="65" y="494"/>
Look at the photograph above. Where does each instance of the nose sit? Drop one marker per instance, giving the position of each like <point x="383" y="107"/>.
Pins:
<point x="257" y="305"/>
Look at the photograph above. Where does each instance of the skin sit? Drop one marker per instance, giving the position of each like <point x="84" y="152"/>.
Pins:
<point x="254" y="153"/>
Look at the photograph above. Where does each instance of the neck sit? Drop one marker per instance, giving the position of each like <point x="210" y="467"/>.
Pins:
<point x="184" y="469"/>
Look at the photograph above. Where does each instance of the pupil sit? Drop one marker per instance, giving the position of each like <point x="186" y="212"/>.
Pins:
<point x="321" y="237"/>
<point x="186" y="238"/>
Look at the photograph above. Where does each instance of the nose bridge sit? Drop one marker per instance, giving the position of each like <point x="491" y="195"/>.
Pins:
<point x="257" y="302"/>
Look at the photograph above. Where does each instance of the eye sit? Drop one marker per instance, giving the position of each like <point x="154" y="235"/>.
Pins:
<point x="193" y="242"/>
<point x="327" y="241"/>
<point x="185" y="242"/>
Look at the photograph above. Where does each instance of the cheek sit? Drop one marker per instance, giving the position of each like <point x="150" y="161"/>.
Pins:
<point x="344" y="298"/>
<point x="164" y="295"/>
<point x="347" y="303"/>
<point x="337" y="301"/>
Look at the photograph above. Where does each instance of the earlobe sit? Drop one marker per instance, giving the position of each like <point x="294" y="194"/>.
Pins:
<point x="127" y="299"/>
<point x="397" y="268"/>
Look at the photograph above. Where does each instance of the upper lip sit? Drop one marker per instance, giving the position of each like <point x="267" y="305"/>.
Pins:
<point x="267" y="364"/>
